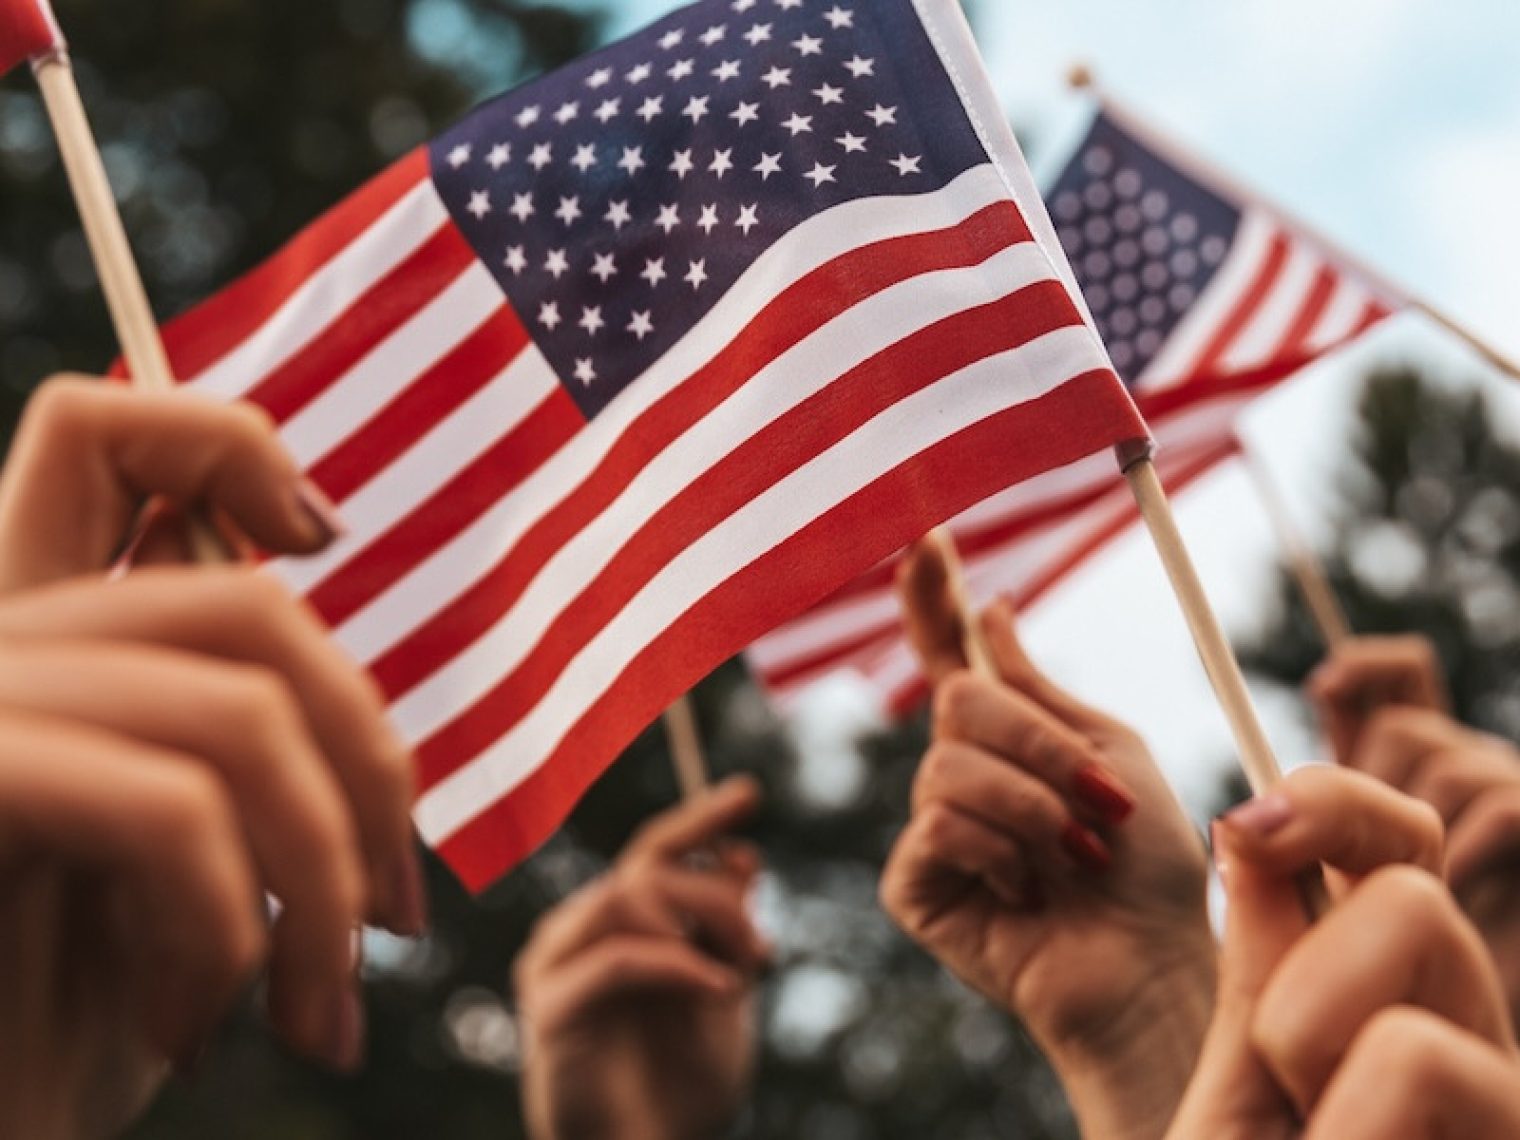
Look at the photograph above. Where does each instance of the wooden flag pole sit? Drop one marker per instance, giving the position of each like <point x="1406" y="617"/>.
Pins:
<point x="1305" y="566"/>
<point x="686" y="753"/>
<point x="126" y="297"/>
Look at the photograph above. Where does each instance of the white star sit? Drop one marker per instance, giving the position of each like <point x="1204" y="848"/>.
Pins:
<point x="769" y="164"/>
<point x="883" y="116"/>
<point x="788" y="5"/>
<point x="820" y="174"/>
<point x="839" y="18"/>
<point x="682" y="69"/>
<point x="906" y="166"/>
<point x="709" y="219"/>
<point x="742" y="6"/>
<point x="777" y="77"/>
<point x="516" y="260"/>
<point x="528" y="116"/>
<point x="860" y="68"/>
<point x="669" y="219"/>
<point x="828" y="95"/>
<point x="585" y="371"/>
<point x="728" y="69"/>
<point x="591" y="320"/>
<point x="608" y="111"/>
<point x="746" y="113"/>
<point x="798" y="124"/>
<point x="632" y="160"/>
<point x="460" y="155"/>
<point x="480" y="204"/>
<point x="808" y="45"/>
<point x="696" y="109"/>
<point x="567" y="113"/>
<point x="696" y="276"/>
<point x="639" y="73"/>
<point x="500" y="155"/>
<point x="654" y="271"/>
<point x="722" y="163"/>
<point x="749" y="218"/>
<point x="651" y="107"/>
<point x="604" y="269"/>
<point x="619" y="215"/>
<point x="682" y="164"/>
<point x="557" y="264"/>
<point x="599" y="78"/>
<point x="548" y="315"/>
<point x="713" y="35"/>
<point x="759" y="34"/>
<point x="851" y="142"/>
<point x="569" y="210"/>
<point x="672" y="39"/>
<point x="542" y="156"/>
<point x="642" y="324"/>
<point x="522" y="207"/>
<point x="585" y="158"/>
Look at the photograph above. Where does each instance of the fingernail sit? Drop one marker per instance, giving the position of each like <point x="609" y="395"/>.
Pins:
<point x="1085" y="847"/>
<point x="346" y="1047"/>
<point x="1262" y="816"/>
<point x="320" y="511"/>
<point x="409" y="899"/>
<point x="1096" y="787"/>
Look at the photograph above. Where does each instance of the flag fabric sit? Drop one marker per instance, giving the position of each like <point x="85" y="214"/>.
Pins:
<point x="1204" y="298"/>
<point x="645" y="358"/>
<point x="27" y="30"/>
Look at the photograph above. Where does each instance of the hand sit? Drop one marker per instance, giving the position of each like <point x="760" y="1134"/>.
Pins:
<point x="1048" y="866"/>
<point x="1473" y="781"/>
<point x="1385" y="1017"/>
<point x="1367" y="674"/>
<point x="637" y="994"/>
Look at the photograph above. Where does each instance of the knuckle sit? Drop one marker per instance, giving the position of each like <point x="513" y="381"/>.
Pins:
<point x="259" y="706"/>
<point x="937" y="827"/>
<point x="937" y="770"/>
<point x="252" y="426"/>
<point x="1418" y="902"/>
<point x="60" y="405"/>
<point x="1400" y="725"/>
<point x="953" y="700"/>
<point x="1406" y="1046"/>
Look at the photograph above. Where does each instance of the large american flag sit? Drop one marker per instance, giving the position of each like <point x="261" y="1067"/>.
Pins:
<point x="645" y="358"/>
<point x="1205" y="298"/>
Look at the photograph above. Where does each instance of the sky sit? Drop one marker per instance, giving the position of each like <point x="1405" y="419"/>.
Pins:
<point x="1390" y="125"/>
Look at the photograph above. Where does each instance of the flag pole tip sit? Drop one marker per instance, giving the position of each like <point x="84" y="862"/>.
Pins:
<point x="1079" y="77"/>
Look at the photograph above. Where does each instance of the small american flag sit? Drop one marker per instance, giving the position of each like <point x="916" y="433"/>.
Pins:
<point x="645" y="358"/>
<point x="1204" y="299"/>
<point x="27" y="30"/>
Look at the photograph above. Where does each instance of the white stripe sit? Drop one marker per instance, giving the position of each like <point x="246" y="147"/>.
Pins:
<point x="822" y="628"/>
<point x="1341" y="316"/>
<point x="901" y="432"/>
<point x="387" y="370"/>
<point x="1179" y="355"/>
<point x="450" y="569"/>
<point x="811" y="366"/>
<point x="1259" y="340"/>
<point x="437" y="457"/>
<point x="328" y="293"/>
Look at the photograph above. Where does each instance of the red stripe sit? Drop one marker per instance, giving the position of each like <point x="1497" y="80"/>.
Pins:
<point x="788" y="443"/>
<point x="385" y="307"/>
<point x="837" y="656"/>
<point x="1374" y="312"/>
<point x="215" y="327"/>
<point x="1072" y="421"/>
<point x="449" y="509"/>
<point x="427" y="402"/>
<point x="791" y="317"/>
<point x="1240" y="316"/>
<point x="1316" y="301"/>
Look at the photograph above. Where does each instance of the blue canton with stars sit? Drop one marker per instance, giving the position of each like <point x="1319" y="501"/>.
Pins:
<point x="1144" y="239"/>
<point x="616" y="200"/>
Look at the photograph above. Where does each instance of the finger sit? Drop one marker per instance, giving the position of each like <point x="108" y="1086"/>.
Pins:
<point x="1451" y="779"/>
<point x="1016" y="804"/>
<point x="1485" y="839"/>
<point x="94" y="452"/>
<point x="246" y="725"/>
<point x="1372" y="673"/>
<point x="241" y="615"/>
<point x="1000" y="628"/>
<point x="710" y="908"/>
<point x="1007" y="723"/>
<point x="1396" y="739"/>
<point x="161" y="823"/>
<point x="619" y="968"/>
<point x="1345" y="819"/>
<point x="931" y="618"/>
<point x="1398" y="939"/>
<point x="940" y="850"/>
<point x="698" y="822"/>
<point x="1411" y="1074"/>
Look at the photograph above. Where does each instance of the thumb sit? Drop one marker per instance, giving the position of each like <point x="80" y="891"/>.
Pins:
<point x="931" y="619"/>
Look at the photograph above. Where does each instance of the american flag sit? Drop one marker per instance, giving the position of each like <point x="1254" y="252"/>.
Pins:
<point x="1204" y="298"/>
<point x="645" y="358"/>
<point x="27" y="30"/>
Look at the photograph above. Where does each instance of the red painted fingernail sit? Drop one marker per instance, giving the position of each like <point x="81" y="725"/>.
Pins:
<point x="1096" y="787"/>
<point x="1085" y="847"/>
<point x="327" y="524"/>
<point x="1262" y="816"/>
